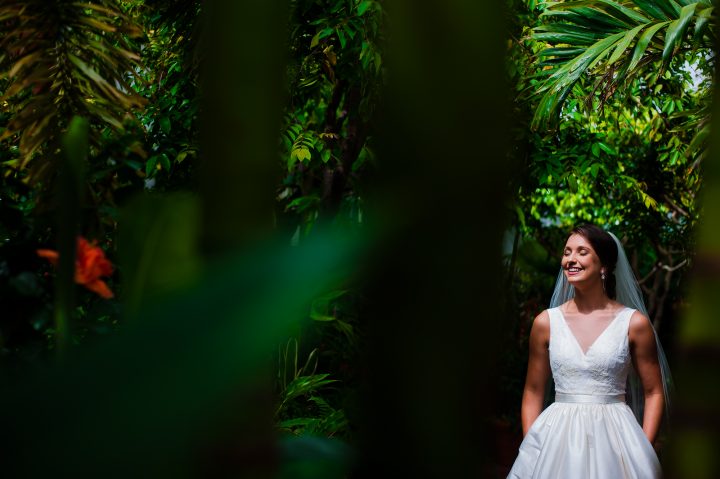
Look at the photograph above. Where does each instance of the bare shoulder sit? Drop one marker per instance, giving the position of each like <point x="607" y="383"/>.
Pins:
<point x="542" y="320"/>
<point x="541" y="325"/>
<point x="640" y="322"/>
<point x="640" y="326"/>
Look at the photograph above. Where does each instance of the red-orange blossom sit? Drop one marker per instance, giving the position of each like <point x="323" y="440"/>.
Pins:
<point x="90" y="265"/>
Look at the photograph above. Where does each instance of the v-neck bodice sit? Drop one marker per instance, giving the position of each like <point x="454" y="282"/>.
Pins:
<point x="602" y="369"/>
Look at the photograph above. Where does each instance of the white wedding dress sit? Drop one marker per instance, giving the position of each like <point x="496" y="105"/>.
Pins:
<point x="588" y="432"/>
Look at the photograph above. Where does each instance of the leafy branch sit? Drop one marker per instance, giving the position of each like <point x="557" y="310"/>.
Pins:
<point x="65" y="58"/>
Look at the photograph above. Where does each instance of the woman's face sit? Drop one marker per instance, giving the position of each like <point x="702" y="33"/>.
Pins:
<point x="580" y="263"/>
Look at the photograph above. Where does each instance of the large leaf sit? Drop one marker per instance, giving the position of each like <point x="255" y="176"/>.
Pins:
<point x="303" y="385"/>
<point x="676" y="30"/>
<point x="62" y="59"/>
<point x="624" y="43"/>
<point x="616" y="9"/>
<point x="643" y="43"/>
<point x="701" y="23"/>
<point x="566" y="76"/>
<point x="598" y="19"/>
<point x="653" y="8"/>
<point x="587" y="33"/>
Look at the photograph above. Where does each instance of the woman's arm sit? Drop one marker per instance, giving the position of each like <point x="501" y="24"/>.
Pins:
<point x="538" y="371"/>
<point x="644" y="353"/>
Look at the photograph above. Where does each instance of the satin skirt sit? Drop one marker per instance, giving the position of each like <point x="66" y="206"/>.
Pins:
<point x="589" y="441"/>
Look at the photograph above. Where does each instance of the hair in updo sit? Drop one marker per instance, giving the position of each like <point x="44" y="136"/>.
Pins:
<point x="606" y="249"/>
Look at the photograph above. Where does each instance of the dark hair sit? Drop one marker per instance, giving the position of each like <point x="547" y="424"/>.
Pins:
<point x="606" y="249"/>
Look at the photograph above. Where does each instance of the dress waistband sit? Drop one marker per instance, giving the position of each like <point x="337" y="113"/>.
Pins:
<point x="590" y="398"/>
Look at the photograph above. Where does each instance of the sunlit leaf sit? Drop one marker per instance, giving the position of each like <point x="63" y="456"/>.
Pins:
<point x="643" y="43"/>
<point x="624" y="44"/>
<point x="363" y="6"/>
<point x="676" y="30"/>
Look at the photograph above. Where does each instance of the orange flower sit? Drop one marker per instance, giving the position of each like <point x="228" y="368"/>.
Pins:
<point x="90" y="265"/>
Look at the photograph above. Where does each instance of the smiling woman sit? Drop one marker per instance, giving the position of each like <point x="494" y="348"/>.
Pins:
<point x="589" y="343"/>
<point x="590" y="253"/>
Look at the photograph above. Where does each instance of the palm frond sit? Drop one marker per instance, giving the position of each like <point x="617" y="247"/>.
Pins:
<point x="615" y="40"/>
<point x="64" y="58"/>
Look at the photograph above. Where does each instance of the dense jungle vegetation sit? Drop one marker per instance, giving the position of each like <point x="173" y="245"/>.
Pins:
<point x="307" y="238"/>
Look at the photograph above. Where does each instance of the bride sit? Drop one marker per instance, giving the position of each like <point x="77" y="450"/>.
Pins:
<point x="594" y="337"/>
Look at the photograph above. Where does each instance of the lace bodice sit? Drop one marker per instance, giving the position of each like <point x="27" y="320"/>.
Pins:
<point x="603" y="369"/>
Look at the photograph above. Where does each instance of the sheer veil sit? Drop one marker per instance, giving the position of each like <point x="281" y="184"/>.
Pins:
<point x="629" y="294"/>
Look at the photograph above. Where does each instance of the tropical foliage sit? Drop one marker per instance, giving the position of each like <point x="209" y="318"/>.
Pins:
<point x="634" y="111"/>
<point x="63" y="59"/>
<point x="132" y="70"/>
<point x="612" y="114"/>
<point x="115" y="174"/>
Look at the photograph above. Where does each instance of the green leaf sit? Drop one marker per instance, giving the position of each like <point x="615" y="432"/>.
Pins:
<point x="651" y="7"/>
<point x="703" y="18"/>
<point x="676" y="31"/>
<point x="699" y="141"/>
<point x="603" y="11"/>
<point x="315" y="316"/>
<point x="349" y="31"/>
<point x="643" y="43"/>
<point x="572" y="183"/>
<point x="325" y="156"/>
<point x="302" y="385"/>
<point x="624" y="43"/>
<point x="325" y="32"/>
<point x="607" y="149"/>
<point x="560" y="82"/>
<point x="91" y="74"/>
<point x="151" y="166"/>
<point x="165" y="125"/>
<point x="27" y="60"/>
<point x="299" y="153"/>
<point x="103" y="27"/>
<point x="565" y="37"/>
<point x="341" y="37"/>
<point x="164" y="162"/>
<point x="303" y="203"/>
<point x="561" y="52"/>
<point x="321" y="305"/>
<point x="302" y="154"/>
<point x="363" y="6"/>
<point x="650" y="202"/>
<point x="520" y="216"/>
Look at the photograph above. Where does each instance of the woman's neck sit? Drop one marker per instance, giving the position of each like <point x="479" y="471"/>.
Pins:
<point x="589" y="300"/>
